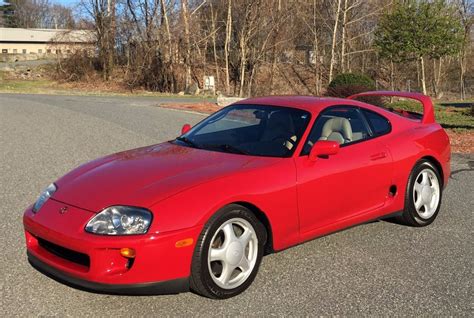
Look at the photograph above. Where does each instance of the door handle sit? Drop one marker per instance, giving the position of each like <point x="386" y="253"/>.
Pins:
<point x="378" y="156"/>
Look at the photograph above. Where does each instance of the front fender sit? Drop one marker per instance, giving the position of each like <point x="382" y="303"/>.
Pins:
<point x="271" y="189"/>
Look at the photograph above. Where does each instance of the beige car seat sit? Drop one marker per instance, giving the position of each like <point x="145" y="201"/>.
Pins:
<point x="337" y="129"/>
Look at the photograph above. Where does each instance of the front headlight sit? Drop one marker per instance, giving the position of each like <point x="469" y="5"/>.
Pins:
<point x="120" y="220"/>
<point x="44" y="196"/>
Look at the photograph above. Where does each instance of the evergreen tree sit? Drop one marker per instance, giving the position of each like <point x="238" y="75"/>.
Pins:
<point x="7" y="16"/>
<point x="419" y="29"/>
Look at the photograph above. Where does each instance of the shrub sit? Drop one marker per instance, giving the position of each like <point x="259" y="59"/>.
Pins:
<point x="352" y="79"/>
<point x="347" y="84"/>
<point x="344" y="91"/>
<point x="76" y="67"/>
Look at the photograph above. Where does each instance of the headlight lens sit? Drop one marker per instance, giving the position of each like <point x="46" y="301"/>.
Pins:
<point x="120" y="220"/>
<point x="44" y="196"/>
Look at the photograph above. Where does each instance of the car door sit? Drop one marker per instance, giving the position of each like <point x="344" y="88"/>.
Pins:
<point x="354" y="181"/>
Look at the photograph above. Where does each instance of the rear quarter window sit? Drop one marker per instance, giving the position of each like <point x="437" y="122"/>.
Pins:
<point x="379" y="124"/>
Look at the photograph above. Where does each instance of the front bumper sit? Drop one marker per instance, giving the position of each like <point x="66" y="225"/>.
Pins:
<point x="174" y="286"/>
<point x="58" y="246"/>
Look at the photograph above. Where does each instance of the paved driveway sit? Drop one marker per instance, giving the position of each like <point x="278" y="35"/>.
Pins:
<point x="379" y="268"/>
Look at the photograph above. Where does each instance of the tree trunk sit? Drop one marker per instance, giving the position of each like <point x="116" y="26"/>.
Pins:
<point x="461" y="79"/>
<point x="333" y="45"/>
<point x="243" y="64"/>
<point x="437" y="78"/>
<point x="343" y="37"/>
<point x="214" y="46"/>
<point x="423" y="77"/>
<point x="462" y="65"/>
<point x="273" y="70"/>
<point x="418" y="81"/>
<point x="187" y="40"/>
<point x="274" y="49"/>
<point x="169" y="42"/>
<point x="111" y="39"/>
<point x="252" y="75"/>
<point x="228" y="33"/>
<point x="317" y="67"/>
<point x="392" y="71"/>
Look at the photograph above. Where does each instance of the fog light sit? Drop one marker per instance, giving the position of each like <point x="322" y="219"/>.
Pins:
<point x="127" y="252"/>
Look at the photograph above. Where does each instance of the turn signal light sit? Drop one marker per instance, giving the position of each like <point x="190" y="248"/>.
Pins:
<point x="184" y="243"/>
<point x="127" y="252"/>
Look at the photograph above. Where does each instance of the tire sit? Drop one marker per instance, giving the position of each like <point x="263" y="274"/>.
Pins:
<point x="423" y="196"/>
<point x="244" y="252"/>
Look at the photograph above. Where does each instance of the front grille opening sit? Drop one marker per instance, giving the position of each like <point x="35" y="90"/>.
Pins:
<point x="65" y="253"/>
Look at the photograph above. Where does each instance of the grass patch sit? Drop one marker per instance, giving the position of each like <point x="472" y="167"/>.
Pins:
<point x="456" y="118"/>
<point x="21" y="86"/>
<point x="44" y="86"/>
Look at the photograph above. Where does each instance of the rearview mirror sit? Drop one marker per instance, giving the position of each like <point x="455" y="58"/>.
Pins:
<point x="185" y="129"/>
<point x="323" y="148"/>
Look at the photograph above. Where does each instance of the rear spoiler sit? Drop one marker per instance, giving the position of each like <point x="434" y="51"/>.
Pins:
<point x="428" y="109"/>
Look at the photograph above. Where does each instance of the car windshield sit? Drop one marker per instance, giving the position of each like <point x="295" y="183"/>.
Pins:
<point x="255" y="130"/>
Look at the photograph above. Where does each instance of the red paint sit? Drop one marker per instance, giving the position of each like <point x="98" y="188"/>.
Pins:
<point x="183" y="187"/>
<point x="323" y="148"/>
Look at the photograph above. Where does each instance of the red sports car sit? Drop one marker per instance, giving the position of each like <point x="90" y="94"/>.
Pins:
<point x="256" y="177"/>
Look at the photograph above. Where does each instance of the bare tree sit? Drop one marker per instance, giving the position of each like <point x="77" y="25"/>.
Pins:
<point x="334" y="39"/>
<point x="187" y="41"/>
<point x="41" y="14"/>
<point x="256" y="47"/>
<point x="214" y="31"/>
<point x="228" y="34"/>
<point x="465" y="9"/>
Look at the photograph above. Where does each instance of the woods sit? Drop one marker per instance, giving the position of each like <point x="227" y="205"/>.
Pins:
<point x="259" y="47"/>
<point x="37" y="14"/>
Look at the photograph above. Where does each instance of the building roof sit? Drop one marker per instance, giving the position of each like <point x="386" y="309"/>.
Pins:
<point x="46" y="35"/>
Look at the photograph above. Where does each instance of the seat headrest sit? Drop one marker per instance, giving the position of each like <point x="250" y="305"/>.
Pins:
<point x="337" y="129"/>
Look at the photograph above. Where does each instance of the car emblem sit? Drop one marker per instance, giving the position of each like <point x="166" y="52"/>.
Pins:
<point x="63" y="210"/>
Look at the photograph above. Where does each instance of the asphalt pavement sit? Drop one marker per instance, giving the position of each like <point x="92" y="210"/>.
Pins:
<point x="379" y="268"/>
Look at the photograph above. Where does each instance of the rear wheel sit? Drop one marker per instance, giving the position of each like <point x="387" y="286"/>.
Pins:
<point x="423" y="195"/>
<point x="228" y="253"/>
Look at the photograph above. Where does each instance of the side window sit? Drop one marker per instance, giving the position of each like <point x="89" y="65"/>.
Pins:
<point x="343" y="124"/>
<point x="379" y="124"/>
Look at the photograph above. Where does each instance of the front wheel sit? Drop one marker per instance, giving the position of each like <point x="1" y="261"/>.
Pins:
<point x="423" y="196"/>
<point x="228" y="253"/>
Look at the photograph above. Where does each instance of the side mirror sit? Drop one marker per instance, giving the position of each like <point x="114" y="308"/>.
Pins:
<point x="185" y="128"/>
<point x="323" y="148"/>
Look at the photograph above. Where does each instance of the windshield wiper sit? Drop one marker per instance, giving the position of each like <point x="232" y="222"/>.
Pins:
<point x="188" y="141"/>
<point x="228" y="148"/>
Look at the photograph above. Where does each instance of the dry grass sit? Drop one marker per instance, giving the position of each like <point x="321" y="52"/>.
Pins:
<point x="461" y="142"/>
<point x="201" y="107"/>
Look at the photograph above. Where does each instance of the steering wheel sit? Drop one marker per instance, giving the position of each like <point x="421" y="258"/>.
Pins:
<point x="284" y="139"/>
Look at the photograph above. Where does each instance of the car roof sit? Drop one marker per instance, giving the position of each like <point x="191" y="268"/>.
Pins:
<point x="309" y="103"/>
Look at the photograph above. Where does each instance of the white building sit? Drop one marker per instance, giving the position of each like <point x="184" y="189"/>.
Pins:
<point x="43" y="42"/>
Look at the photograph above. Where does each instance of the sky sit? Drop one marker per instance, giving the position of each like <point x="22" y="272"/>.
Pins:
<point x="66" y="2"/>
<point x="63" y="2"/>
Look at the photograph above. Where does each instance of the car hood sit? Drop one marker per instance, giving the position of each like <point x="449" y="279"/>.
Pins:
<point x="144" y="176"/>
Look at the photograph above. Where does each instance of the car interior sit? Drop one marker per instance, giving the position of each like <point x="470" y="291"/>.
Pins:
<point x="275" y="131"/>
<point x="260" y="130"/>
<point x="342" y="124"/>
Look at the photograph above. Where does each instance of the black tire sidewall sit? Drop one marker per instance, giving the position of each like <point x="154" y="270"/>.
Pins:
<point x="203" y="282"/>
<point x="410" y="213"/>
